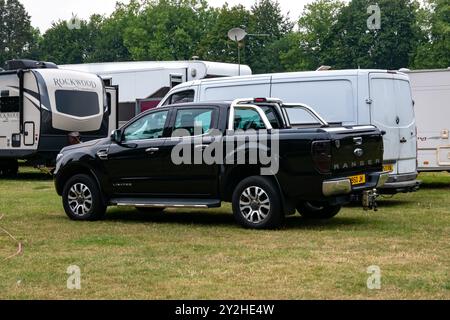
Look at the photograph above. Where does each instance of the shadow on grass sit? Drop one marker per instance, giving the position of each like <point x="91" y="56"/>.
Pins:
<point x="383" y="202"/>
<point x="206" y="218"/>
<point x="435" y="185"/>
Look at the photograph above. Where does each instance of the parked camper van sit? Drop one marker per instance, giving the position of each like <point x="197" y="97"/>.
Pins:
<point x="431" y="93"/>
<point x="348" y="97"/>
<point x="143" y="84"/>
<point x="40" y="105"/>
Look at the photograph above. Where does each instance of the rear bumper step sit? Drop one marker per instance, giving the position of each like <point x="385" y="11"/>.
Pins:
<point x="344" y="186"/>
<point x="166" y="203"/>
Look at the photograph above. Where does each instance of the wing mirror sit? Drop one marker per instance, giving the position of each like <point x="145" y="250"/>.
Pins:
<point x="116" y="136"/>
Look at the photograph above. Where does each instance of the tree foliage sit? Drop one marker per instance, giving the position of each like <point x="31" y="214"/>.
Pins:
<point x="17" y="37"/>
<point x="329" y="32"/>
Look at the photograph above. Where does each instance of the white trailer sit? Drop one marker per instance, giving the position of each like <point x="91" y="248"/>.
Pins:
<point x="144" y="83"/>
<point x="431" y="93"/>
<point x="351" y="97"/>
<point x="40" y="105"/>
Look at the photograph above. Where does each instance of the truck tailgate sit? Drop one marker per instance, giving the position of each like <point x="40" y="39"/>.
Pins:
<point x="356" y="149"/>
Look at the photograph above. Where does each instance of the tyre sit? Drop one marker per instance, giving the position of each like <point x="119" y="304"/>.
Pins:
<point x="9" y="169"/>
<point x="82" y="199"/>
<point x="310" y="210"/>
<point x="257" y="204"/>
<point x="150" y="210"/>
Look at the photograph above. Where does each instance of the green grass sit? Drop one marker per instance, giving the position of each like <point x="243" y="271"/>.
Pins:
<point x="188" y="254"/>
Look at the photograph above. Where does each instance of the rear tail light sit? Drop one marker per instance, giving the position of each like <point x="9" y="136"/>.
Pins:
<point x="321" y="153"/>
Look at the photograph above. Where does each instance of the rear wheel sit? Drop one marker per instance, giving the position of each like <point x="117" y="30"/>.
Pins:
<point x="319" y="211"/>
<point x="257" y="204"/>
<point x="82" y="200"/>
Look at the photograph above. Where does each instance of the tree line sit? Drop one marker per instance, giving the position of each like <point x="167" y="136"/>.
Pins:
<point x="328" y="32"/>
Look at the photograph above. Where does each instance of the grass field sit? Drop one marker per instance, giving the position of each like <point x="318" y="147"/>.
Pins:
<point x="183" y="254"/>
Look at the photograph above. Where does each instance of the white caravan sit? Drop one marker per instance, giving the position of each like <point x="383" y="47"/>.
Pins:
<point x="351" y="97"/>
<point x="431" y="93"/>
<point x="144" y="83"/>
<point x="41" y="105"/>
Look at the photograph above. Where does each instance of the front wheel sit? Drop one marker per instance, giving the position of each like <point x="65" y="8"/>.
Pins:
<point x="257" y="204"/>
<point x="310" y="210"/>
<point x="82" y="200"/>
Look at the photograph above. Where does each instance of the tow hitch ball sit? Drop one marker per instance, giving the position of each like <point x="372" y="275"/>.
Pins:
<point x="369" y="200"/>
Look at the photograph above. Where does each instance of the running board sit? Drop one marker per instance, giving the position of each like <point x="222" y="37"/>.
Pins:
<point x="166" y="203"/>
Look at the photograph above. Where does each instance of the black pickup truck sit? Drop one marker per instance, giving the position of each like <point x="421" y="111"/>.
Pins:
<point x="247" y="152"/>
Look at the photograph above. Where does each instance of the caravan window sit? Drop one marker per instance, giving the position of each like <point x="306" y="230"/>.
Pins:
<point x="77" y="103"/>
<point x="9" y="104"/>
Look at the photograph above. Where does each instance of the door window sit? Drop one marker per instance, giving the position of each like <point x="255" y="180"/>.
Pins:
<point x="193" y="121"/>
<point x="150" y="126"/>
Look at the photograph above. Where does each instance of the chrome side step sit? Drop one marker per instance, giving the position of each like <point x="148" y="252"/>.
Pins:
<point x="166" y="203"/>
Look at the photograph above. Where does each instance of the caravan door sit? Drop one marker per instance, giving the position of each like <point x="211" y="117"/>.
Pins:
<point x="112" y="96"/>
<point x="392" y="111"/>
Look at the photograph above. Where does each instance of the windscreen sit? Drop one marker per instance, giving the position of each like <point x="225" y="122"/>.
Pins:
<point x="77" y="103"/>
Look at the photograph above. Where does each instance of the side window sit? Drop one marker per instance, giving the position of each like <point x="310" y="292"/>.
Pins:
<point x="194" y="121"/>
<point x="149" y="127"/>
<point x="245" y="119"/>
<point x="181" y="97"/>
<point x="8" y="103"/>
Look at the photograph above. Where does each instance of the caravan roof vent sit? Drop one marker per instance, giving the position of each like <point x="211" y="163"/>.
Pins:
<point x="29" y="64"/>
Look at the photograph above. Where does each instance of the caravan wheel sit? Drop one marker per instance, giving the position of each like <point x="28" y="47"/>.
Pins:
<point x="9" y="168"/>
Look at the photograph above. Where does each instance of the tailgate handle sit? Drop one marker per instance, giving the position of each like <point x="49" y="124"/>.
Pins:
<point x="358" y="141"/>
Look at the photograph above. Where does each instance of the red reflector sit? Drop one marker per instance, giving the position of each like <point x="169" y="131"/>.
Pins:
<point x="260" y="100"/>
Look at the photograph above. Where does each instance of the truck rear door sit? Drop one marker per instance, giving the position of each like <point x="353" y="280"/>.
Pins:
<point x="392" y="111"/>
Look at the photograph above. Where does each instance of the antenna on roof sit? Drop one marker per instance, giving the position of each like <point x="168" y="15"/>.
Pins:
<point x="324" y="68"/>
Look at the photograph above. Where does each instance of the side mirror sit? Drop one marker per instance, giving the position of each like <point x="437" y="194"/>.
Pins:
<point x="116" y="136"/>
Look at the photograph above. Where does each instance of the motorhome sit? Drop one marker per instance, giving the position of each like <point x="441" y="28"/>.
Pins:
<point x="42" y="107"/>
<point x="144" y="83"/>
<point x="431" y="93"/>
<point x="348" y="97"/>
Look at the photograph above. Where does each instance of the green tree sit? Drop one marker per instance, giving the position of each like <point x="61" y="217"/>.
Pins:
<point x="435" y="51"/>
<point x="215" y="45"/>
<point x="17" y="37"/>
<point x="268" y="19"/>
<point x="391" y="47"/>
<point x="63" y="44"/>
<point x="167" y="29"/>
<point x="312" y="45"/>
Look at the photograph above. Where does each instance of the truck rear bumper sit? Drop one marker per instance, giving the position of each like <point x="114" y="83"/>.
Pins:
<point x="344" y="186"/>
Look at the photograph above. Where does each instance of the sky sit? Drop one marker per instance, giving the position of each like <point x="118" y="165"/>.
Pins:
<point x="44" y="12"/>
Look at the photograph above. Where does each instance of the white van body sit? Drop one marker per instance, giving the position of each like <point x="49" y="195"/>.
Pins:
<point x="38" y="112"/>
<point x="144" y="83"/>
<point x="351" y="97"/>
<point x="431" y="93"/>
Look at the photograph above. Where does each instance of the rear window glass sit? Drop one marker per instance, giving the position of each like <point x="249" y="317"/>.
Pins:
<point x="77" y="103"/>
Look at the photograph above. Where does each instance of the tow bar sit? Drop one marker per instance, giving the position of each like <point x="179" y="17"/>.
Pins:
<point x="369" y="200"/>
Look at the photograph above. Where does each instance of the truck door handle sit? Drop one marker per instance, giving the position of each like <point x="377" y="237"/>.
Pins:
<point x="102" y="154"/>
<point x="403" y="140"/>
<point x="152" y="150"/>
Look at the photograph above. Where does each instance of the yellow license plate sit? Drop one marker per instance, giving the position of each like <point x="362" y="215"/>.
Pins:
<point x="360" y="179"/>
<point x="388" y="168"/>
